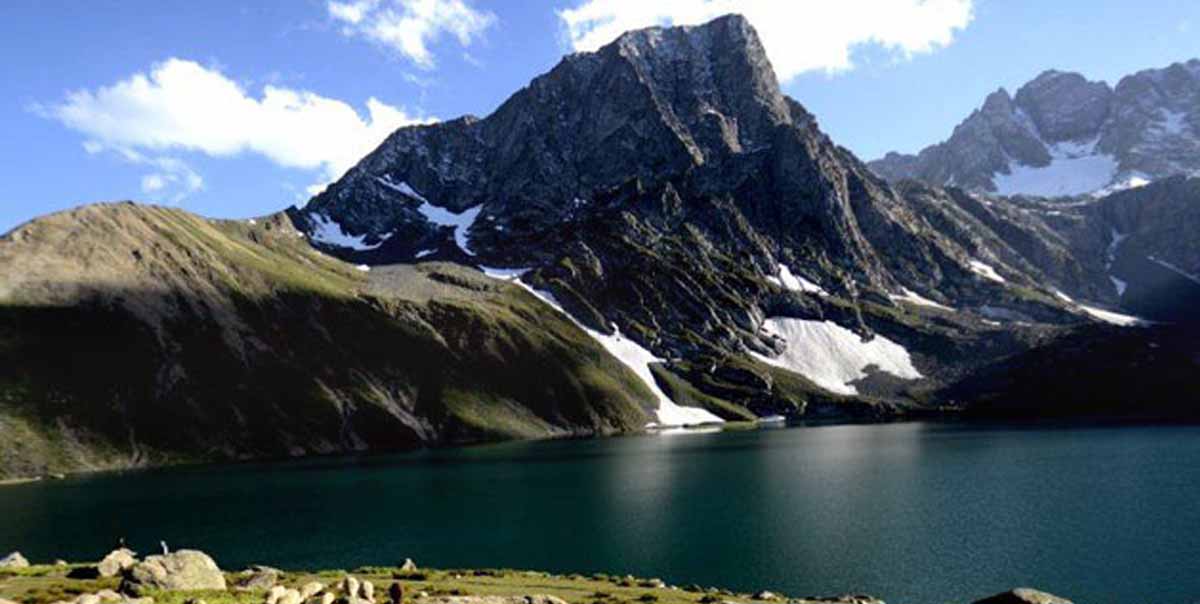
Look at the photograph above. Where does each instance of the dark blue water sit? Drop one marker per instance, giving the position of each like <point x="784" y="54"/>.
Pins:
<point x="913" y="513"/>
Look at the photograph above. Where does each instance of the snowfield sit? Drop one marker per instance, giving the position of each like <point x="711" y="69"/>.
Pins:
<point x="832" y="356"/>
<point x="629" y="353"/>
<point x="328" y="232"/>
<point x="1075" y="168"/>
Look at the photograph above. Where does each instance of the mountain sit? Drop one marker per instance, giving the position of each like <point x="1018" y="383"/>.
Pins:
<point x="1062" y="134"/>
<point x="138" y="335"/>
<point x="648" y="234"/>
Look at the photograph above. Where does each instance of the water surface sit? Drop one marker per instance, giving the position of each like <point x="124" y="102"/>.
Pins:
<point x="914" y="513"/>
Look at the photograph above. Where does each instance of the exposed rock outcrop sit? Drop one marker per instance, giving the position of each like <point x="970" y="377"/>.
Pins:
<point x="184" y="570"/>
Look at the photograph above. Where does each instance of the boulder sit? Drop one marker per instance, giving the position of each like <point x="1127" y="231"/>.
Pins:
<point x="766" y="596"/>
<point x="184" y="570"/>
<point x="311" y="589"/>
<point x="350" y="587"/>
<point x="274" y="593"/>
<point x="328" y="598"/>
<point x="116" y="562"/>
<point x="256" y="578"/>
<point x="409" y="566"/>
<point x="14" y="560"/>
<point x="108" y="595"/>
<point x="3" y="601"/>
<point x="1024" y="595"/>
<point x="88" y="599"/>
<point x="291" y="596"/>
<point x="367" y="591"/>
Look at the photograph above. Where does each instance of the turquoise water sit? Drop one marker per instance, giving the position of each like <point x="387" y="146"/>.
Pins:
<point x="914" y="513"/>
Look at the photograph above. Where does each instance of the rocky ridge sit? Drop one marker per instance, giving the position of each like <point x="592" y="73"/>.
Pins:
<point x="1062" y="134"/>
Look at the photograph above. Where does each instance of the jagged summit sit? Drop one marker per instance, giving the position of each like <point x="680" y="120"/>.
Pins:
<point x="652" y="105"/>
<point x="1062" y="134"/>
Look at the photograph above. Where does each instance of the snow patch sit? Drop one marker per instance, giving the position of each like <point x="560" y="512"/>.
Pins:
<point x="362" y="267"/>
<point x="400" y="187"/>
<point x="796" y="283"/>
<point x="1176" y="269"/>
<point x="1172" y="123"/>
<point x="1132" y="181"/>
<point x="1108" y="316"/>
<point x="461" y="221"/>
<point x="1119" y="284"/>
<point x="424" y="253"/>
<point x="832" y="356"/>
<point x="985" y="270"/>
<point x="907" y="295"/>
<point x="1075" y="168"/>
<point x="329" y="232"/>
<point x="504" y="274"/>
<point x="638" y="360"/>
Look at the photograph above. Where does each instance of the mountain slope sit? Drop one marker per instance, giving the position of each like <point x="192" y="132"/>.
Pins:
<point x="1064" y="135"/>
<point x="134" y="335"/>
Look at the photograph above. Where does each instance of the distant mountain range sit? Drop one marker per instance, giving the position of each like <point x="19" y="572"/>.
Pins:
<point x="1065" y="135"/>
<point x="648" y="234"/>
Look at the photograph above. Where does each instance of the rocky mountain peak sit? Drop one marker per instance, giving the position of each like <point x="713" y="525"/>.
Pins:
<point x="1062" y="134"/>
<point x="1065" y="105"/>
<point x="650" y="106"/>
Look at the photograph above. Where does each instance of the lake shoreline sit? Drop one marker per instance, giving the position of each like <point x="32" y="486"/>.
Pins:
<point x="947" y="417"/>
<point x="190" y="576"/>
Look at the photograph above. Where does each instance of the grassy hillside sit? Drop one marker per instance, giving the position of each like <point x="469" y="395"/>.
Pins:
<point x="134" y="335"/>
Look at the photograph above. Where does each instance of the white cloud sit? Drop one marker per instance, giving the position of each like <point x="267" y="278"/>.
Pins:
<point x="409" y="26"/>
<point x="153" y="182"/>
<point x="171" y="181"/>
<point x="183" y="106"/>
<point x="799" y="35"/>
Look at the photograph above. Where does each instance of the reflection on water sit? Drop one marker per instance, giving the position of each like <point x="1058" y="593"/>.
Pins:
<point x="910" y="512"/>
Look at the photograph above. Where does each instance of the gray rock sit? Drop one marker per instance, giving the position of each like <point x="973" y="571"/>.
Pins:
<point x="14" y="560"/>
<point x="275" y="593"/>
<point x="311" y="589"/>
<point x="1024" y="595"/>
<point x="367" y="590"/>
<point x="184" y="570"/>
<point x="108" y="595"/>
<point x="116" y="562"/>
<point x="290" y="596"/>
<point x="409" y="566"/>
<point x="256" y="578"/>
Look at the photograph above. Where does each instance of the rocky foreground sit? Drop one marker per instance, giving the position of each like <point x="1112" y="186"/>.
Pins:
<point x="193" y="577"/>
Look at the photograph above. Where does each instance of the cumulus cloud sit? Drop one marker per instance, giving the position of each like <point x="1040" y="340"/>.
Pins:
<point x="180" y="105"/>
<point x="799" y="35"/>
<point x="410" y="26"/>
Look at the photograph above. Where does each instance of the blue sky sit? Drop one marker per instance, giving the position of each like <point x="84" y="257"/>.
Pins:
<point x="236" y="109"/>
